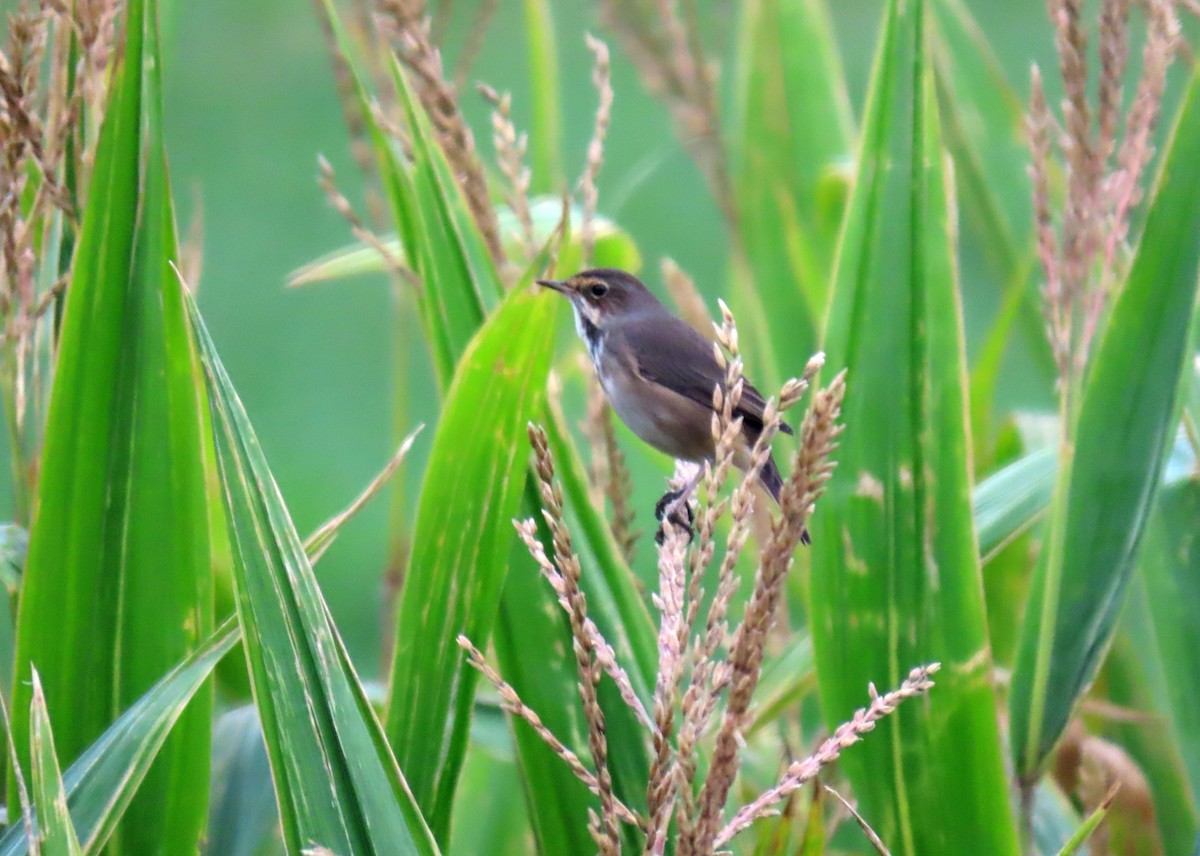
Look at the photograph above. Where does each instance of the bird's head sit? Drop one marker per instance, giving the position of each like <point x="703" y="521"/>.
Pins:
<point x="603" y="296"/>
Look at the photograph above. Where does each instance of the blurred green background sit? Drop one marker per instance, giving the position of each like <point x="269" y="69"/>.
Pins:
<point x="250" y="105"/>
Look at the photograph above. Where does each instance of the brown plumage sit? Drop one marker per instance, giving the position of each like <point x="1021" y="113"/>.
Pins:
<point x="657" y="372"/>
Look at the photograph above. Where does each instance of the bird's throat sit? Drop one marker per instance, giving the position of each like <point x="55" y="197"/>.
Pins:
<point x="592" y="336"/>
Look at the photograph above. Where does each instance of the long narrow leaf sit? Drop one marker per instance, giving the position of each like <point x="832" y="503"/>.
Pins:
<point x="243" y="815"/>
<point x="118" y="585"/>
<point x="1134" y="683"/>
<point x="546" y="131"/>
<point x="982" y="117"/>
<point x="794" y="126"/>
<point x="56" y="834"/>
<point x="461" y="289"/>
<point x="530" y="622"/>
<point x="1169" y="642"/>
<point x="1012" y="499"/>
<point x="100" y="785"/>
<point x="895" y="578"/>
<point x="336" y="781"/>
<point x="1124" y="426"/>
<point x="469" y="497"/>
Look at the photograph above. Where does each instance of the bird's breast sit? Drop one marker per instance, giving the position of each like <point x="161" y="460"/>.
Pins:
<point x="661" y="417"/>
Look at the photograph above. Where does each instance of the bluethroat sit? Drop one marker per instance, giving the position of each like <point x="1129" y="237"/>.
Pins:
<point x="658" y="373"/>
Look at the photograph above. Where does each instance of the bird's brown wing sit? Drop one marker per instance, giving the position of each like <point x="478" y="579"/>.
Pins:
<point x="674" y="355"/>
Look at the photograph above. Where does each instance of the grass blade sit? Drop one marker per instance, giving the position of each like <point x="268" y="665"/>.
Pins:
<point x="1085" y="830"/>
<point x="101" y="783"/>
<point x="469" y="497"/>
<point x="335" y="778"/>
<point x="1103" y="499"/>
<point x="1134" y="682"/>
<point x="895" y="577"/>
<point x="122" y="489"/>
<point x="546" y="130"/>
<point x="794" y="126"/>
<point x="529" y="625"/>
<point x="243" y="815"/>
<point x="56" y="834"/>
<point x="982" y="120"/>
<point x="1009" y="502"/>
<point x="1169" y="568"/>
<point x="614" y="247"/>
<point x="461" y="288"/>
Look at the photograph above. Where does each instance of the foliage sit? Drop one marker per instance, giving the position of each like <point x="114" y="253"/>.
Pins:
<point x="637" y="698"/>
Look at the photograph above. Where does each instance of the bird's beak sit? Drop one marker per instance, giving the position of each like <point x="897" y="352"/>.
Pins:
<point x="556" y="285"/>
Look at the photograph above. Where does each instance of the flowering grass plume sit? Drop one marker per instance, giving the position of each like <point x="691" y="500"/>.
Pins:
<point x="708" y="668"/>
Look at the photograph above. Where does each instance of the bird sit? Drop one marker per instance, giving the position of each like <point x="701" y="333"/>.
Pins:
<point x="658" y="373"/>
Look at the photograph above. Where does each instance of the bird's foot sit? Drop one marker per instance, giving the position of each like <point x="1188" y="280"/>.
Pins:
<point x="674" y="507"/>
<point x="667" y="499"/>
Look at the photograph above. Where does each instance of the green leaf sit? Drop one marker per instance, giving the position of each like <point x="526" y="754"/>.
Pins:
<point x="1104" y="493"/>
<point x="982" y="121"/>
<point x="614" y="246"/>
<point x="243" y="815"/>
<point x="460" y="289"/>
<point x="101" y="783"/>
<point x="1167" y="600"/>
<point x="336" y="781"/>
<point x="118" y="586"/>
<point x="1011" y="500"/>
<point x="530" y="624"/>
<point x="461" y="283"/>
<point x="56" y="834"/>
<point x="469" y="497"/>
<point x="492" y="787"/>
<point x="1008" y="502"/>
<point x="786" y="679"/>
<point x="1135" y="682"/>
<point x="794" y="126"/>
<point x="546" y="130"/>
<point x="895" y="573"/>
<point x="1054" y="820"/>
<point x="1088" y="827"/>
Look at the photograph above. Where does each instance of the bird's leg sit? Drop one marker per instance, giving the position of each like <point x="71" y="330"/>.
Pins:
<point x="675" y="501"/>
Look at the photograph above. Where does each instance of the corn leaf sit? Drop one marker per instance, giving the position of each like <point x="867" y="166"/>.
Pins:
<point x="243" y="815"/>
<point x="459" y="290"/>
<point x="118" y="586"/>
<point x="793" y="116"/>
<point x="56" y="834"/>
<point x="1055" y="819"/>
<point x="469" y="497"/>
<point x="530" y="620"/>
<point x="1104" y="493"/>
<point x="895" y="576"/>
<point x="614" y="247"/>
<point x="546" y="130"/>
<point x="1011" y="500"/>
<point x="1134" y="683"/>
<point x="1167" y="640"/>
<point x="982" y="121"/>
<point x="336" y="780"/>
<point x="101" y="783"/>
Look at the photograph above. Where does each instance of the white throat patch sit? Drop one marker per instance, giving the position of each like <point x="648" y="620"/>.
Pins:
<point x="589" y="332"/>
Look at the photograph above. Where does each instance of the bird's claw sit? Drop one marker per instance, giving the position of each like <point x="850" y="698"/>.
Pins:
<point x="675" y="508"/>
<point x="660" y="507"/>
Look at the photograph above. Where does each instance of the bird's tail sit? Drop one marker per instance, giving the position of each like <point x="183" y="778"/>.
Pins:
<point x="773" y="482"/>
<point x="771" y="479"/>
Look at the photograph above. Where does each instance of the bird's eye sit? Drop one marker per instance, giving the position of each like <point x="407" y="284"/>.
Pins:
<point x="599" y="289"/>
